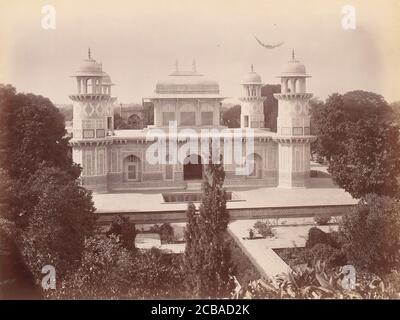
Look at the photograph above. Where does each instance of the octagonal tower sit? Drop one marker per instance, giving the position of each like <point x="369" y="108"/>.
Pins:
<point x="293" y="126"/>
<point x="92" y="122"/>
<point x="252" y="106"/>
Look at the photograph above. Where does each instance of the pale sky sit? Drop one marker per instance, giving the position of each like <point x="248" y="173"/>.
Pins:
<point x="138" y="42"/>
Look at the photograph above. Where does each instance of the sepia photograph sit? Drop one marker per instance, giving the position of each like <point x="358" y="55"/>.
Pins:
<point x="220" y="151"/>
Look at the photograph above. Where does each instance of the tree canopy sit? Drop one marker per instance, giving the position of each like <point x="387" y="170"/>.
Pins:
<point x="32" y="132"/>
<point x="358" y="135"/>
<point x="231" y="117"/>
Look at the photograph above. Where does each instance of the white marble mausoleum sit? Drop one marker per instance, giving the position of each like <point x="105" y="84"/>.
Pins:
<point x="117" y="159"/>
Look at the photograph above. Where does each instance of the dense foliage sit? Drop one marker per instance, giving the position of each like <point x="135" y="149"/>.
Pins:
<point x="108" y="270"/>
<point x="231" y="116"/>
<point x="207" y="256"/>
<point x="41" y="195"/>
<point x="270" y="105"/>
<point x="358" y="135"/>
<point x="165" y="231"/>
<point x="124" y="230"/>
<point x="32" y="132"/>
<point x="264" y="228"/>
<point x="371" y="233"/>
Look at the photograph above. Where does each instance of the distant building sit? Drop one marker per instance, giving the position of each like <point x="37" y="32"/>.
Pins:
<point x="131" y="115"/>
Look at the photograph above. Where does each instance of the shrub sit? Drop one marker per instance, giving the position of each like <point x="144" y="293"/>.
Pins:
<point x="124" y="229"/>
<point x="264" y="228"/>
<point x="251" y="233"/>
<point x="322" y="219"/>
<point x="166" y="232"/>
<point x="316" y="236"/>
<point x="371" y="233"/>
<point x="332" y="256"/>
<point x="109" y="271"/>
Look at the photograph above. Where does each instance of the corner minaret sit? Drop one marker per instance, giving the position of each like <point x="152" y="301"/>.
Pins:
<point x="252" y="107"/>
<point x="293" y="126"/>
<point x="92" y="120"/>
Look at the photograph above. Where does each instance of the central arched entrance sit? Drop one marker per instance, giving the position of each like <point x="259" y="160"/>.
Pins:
<point x="192" y="168"/>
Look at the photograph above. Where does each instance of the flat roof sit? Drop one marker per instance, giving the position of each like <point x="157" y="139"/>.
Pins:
<point x="224" y="132"/>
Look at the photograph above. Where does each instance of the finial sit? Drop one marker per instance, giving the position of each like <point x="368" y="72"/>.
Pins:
<point x="176" y="65"/>
<point x="194" y="65"/>
<point x="293" y="57"/>
<point x="89" y="54"/>
<point x="252" y="68"/>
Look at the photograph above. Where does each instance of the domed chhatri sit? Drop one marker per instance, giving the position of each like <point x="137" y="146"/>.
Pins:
<point x="293" y="68"/>
<point x="252" y="77"/>
<point x="186" y="82"/>
<point x="89" y="67"/>
<point x="106" y="79"/>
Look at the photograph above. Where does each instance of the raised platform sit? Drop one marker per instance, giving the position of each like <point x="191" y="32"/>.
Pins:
<point x="321" y="198"/>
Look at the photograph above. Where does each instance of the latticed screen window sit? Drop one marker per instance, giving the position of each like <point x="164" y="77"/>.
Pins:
<point x="297" y="131"/>
<point x="87" y="124"/>
<point x="207" y="118"/>
<point x="188" y="118"/>
<point x="306" y="130"/>
<point x="88" y="133"/>
<point x="100" y="124"/>
<point x="167" y="117"/>
<point x="100" y="133"/>
<point x="285" y="130"/>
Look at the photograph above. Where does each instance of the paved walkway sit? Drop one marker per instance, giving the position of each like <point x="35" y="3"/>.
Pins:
<point x="260" y="251"/>
<point x="255" y="198"/>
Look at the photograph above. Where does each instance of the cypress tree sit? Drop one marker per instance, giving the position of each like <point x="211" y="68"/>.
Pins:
<point x="207" y="256"/>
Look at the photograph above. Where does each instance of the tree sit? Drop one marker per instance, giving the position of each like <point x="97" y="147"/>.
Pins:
<point x="396" y="110"/>
<point x="327" y="122"/>
<point x="369" y="161"/>
<point x="32" y="132"/>
<point x="317" y="107"/>
<point x="166" y="232"/>
<point x="41" y="195"/>
<point x="371" y="233"/>
<point x="207" y="257"/>
<point x="16" y="282"/>
<point x="110" y="271"/>
<point x="358" y="136"/>
<point x="103" y="271"/>
<point x="270" y="105"/>
<point x="124" y="230"/>
<point x="148" y="108"/>
<point x="231" y="116"/>
<point x="61" y="216"/>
